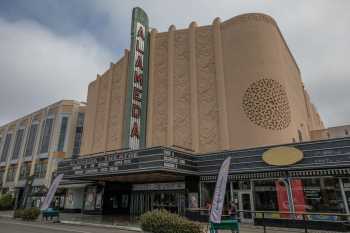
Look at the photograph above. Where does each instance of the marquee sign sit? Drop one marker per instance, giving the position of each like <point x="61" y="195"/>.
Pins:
<point x="126" y="162"/>
<point x="136" y="105"/>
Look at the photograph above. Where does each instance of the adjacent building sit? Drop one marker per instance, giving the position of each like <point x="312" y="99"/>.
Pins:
<point x="31" y="146"/>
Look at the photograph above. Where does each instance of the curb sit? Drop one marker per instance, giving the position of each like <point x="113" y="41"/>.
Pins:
<point x="135" y="229"/>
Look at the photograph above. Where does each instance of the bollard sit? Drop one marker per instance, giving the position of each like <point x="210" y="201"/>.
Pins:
<point x="305" y="223"/>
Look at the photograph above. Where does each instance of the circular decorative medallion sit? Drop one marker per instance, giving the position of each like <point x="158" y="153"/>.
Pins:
<point x="282" y="156"/>
<point x="266" y="104"/>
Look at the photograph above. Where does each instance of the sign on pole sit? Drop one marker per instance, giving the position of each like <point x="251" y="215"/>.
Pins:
<point x="52" y="190"/>
<point x="220" y="190"/>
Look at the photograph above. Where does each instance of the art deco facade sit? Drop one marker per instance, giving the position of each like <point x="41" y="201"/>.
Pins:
<point x="32" y="146"/>
<point x="229" y="85"/>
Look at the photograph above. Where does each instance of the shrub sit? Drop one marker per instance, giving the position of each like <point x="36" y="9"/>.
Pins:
<point x="18" y="213"/>
<point x="31" y="213"/>
<point x="161" y="221"/>
<point x="6" y="202"/>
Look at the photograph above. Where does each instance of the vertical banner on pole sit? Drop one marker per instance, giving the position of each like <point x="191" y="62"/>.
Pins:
<point x="220" y="190"/>
<point x="50" y="194"/>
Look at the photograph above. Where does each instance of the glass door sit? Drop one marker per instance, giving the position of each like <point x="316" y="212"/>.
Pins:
<point x="245" y="204"/>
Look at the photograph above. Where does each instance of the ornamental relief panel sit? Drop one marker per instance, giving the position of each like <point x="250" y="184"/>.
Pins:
<point x="160" y="95"/>
<point x="182" y="101"/>
<point x="116" y="106"/>
<point x="100" y="120"/>
<point x="207" y="94"/>
<point x="266" y="104"/>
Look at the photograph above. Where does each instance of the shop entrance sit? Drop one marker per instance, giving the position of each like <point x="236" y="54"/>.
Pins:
<point x="168" y="196"/>
<point x="116" y="198"/>
<point x="245" y="204"/>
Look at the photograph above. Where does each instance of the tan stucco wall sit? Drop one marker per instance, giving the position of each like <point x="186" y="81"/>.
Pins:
<point x="105" y="109"/>
<point x="200" y="80"/>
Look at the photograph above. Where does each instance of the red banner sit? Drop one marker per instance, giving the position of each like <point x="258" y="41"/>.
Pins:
<point x="282" y="198"/>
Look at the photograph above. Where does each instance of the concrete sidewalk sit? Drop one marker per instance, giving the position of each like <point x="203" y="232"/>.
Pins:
<point x="123" y="223"/>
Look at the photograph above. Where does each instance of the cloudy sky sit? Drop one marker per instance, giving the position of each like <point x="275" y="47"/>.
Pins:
<point x="52" y="49"/>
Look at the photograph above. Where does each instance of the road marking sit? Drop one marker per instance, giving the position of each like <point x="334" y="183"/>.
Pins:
<point x="46" y="227"/>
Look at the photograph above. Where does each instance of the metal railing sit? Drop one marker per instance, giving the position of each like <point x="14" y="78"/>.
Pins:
<point x="335" y="222"/>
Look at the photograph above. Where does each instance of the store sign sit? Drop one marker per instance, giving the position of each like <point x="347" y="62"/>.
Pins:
<point x="138" y="81"/>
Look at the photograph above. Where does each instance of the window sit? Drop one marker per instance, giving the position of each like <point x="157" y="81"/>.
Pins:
<point x="346" y="133"/>
<point x="63" y="131"/>
<point x="80" y="121"/>
<point x="265" y="195"/>
<point x="18" y="143"/>
<point x="78" y="134"/>
<point x="25" y="171"/>
<point x="207" y="193"/>
<point x="31" y="140"/>
<point x="40" y="169"/>
<point x="11" y="173"/>
<point x="46" y="136"/>
<point x="322" y="195"/>
<point x="6" y="148"/>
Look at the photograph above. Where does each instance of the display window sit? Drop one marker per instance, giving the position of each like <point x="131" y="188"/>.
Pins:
<point x="207" y="193"/>
<point x="313" y="195"/>
<point x="346" y="185"/>
<point x="90" y="198"/>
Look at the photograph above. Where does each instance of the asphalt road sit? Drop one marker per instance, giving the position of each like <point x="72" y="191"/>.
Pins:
<point x="14" y="226"/>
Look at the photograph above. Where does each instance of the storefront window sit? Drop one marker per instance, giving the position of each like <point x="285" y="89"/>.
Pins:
<point x="265" y="195"/>
<point x="346" y="185"/>
<point x="207" y="193"/>
<point x="322" y="195"/>
<point x="241" y="185"/>
<point x="90" y="198"/>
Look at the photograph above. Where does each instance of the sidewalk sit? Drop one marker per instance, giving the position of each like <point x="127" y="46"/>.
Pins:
<point x="124" y="223"/>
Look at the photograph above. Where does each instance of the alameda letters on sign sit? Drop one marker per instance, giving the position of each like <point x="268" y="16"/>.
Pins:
<point x="137" y="82"/>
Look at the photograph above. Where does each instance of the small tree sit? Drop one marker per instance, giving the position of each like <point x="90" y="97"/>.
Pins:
<point x="6" y="202"/>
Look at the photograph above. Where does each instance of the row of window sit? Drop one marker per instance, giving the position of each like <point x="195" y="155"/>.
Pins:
<point x="39" y="171"/>
<point x="47" y="128"/>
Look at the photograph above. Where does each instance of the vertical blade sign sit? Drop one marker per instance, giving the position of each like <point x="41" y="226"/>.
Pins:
<point x="136" y="104"/>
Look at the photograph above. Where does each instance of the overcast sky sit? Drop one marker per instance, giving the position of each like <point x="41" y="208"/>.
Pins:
<point x="51" y="49"/>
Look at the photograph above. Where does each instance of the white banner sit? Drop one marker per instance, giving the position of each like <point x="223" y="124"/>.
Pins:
<point x="220" y="190"/>
<point x="50" y="194"/>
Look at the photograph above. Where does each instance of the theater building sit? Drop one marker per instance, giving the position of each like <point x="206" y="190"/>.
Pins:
<point x="160" y="121"/>
<point x="31" y="147"/>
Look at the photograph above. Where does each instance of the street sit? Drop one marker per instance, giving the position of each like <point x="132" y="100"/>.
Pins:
<point x="13" y="226"/>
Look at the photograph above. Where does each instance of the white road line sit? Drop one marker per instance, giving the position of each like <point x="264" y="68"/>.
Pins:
<point x="46" y="227"/>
